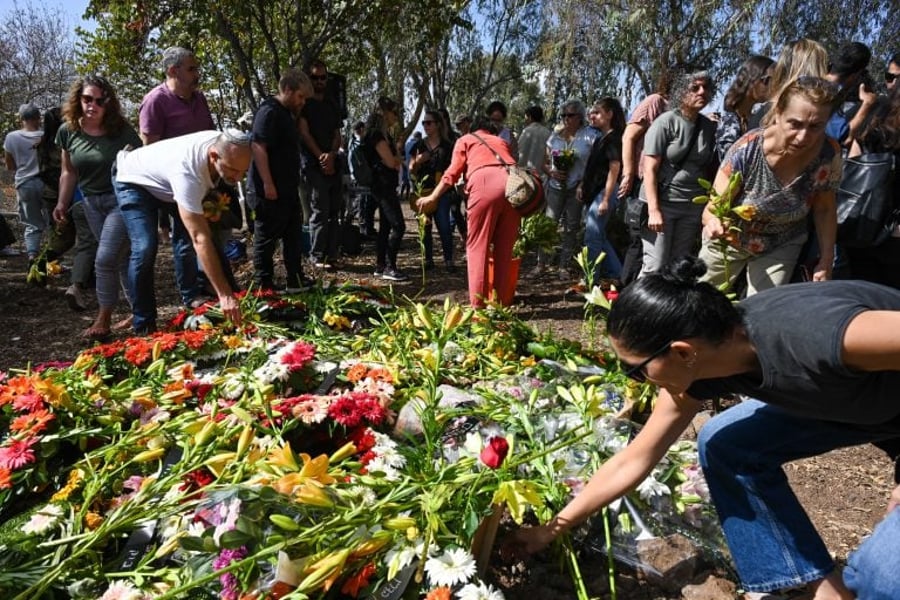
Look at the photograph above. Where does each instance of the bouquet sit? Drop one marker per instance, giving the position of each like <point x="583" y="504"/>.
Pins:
<point x="215" y="204"/>
<point x="564" y="159"/>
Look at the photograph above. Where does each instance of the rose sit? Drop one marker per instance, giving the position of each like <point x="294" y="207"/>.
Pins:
<point x="494" y="452"/>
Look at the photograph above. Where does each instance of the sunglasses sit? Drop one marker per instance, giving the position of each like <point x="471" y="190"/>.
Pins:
<point x="766" y="79"/>
<point x="636" y="372"/>
<point x="428" y="122"/>
<point x="87" y="99"/>
<point x="890" y="77"/>
<point x="696" y="87"/>
<point x="318" y="77"/>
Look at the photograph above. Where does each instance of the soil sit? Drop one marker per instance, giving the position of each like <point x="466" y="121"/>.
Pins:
<point x="845" y="492"/>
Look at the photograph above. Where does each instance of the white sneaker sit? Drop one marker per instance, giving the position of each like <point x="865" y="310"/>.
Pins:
<point x="75" y="298"/>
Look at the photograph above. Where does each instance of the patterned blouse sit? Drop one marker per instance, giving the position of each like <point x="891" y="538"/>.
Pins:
<point x="781" y="210"/>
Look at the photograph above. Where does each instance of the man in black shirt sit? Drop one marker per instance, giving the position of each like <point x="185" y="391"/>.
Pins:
<point x="320" y="132"/>
<point x="274" y="180"/>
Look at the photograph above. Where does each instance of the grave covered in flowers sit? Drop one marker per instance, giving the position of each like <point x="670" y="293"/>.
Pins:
<point x="339" y="444"/>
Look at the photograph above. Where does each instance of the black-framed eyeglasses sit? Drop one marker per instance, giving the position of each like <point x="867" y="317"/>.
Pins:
<point x="636" y="372"/>
<point x="88" y="99"/>
<point x="890" y="77"/>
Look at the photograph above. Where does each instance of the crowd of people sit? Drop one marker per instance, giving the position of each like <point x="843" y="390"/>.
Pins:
<point x="820" y="358"/>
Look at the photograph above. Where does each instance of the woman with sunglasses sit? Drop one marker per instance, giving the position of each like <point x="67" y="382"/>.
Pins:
<point x="822" y="364"/>
<point x="94" y="132"/>
<point x="750" y="87"/>
<point x="568" y="149"/>
<point x="429" y="158"/>
<point x="790" y="169"/>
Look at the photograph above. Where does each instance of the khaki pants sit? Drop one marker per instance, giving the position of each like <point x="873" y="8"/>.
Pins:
<point x="764" y="271"/>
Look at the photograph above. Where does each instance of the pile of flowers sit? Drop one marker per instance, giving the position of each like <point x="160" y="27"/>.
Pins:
<point x="367" y="447"/>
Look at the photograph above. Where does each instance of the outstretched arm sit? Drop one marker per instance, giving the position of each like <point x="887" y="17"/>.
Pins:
<point x="620" y="474"/>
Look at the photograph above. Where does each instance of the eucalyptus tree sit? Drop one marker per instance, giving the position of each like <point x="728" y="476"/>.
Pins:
<point x="245" y="44"/>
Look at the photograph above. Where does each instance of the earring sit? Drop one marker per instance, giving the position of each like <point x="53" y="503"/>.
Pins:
<point x="692" y="361"/>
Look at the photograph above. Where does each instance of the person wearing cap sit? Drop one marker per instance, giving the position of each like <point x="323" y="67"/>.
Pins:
<point x="848" y="70"/>
<point x="179" y="171"/>
<point x="177" y="107"/>
<point x="21" y="158"/>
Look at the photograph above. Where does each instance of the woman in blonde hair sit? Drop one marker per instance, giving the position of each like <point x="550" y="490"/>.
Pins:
<point x="799" y="58"/>
<point x="790" y="170"/>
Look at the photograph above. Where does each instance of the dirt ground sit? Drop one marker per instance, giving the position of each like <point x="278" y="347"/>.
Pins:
<point x="845" y="492"/>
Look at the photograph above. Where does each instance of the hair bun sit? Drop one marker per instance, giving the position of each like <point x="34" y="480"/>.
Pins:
<point x="684" y="270"/>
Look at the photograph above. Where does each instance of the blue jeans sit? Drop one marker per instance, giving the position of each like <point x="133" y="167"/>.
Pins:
<point x="111" y="255"/>
<point x="772" y="541"/>
<point x="441" y="218"/>
<point x="596" y="241"/>
<point x="871" y="571"/>
<point x="140" y="212"/>
<point x="30" y="194"/>
<point x="184" y="256"/>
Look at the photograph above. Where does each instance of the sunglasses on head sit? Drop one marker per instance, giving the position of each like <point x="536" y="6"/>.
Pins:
<point x="636" y="372"/>
<point x="99" y="101"/>
<point x="890" y="77"/>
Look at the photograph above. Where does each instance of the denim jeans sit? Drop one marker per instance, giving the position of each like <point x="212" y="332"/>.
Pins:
<point x="391" y="227"/>
<point x="596" y="241"/>
<point x="111" y="259"/>
<point x="140" y="214"/>
<point x="184" y="256"/>
<point x="871" y="571"/>
<point x="30" y="195"/>
<point x="441" y="218"/>
<point x="772" y="541"/>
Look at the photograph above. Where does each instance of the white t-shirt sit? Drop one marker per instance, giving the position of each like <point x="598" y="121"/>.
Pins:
<point x="172" y="170"/>
<point x="23" y="147"/>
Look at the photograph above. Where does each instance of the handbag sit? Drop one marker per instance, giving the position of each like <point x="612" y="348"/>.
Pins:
<point x="866" y="210"/>
<point x="524" y="190"/>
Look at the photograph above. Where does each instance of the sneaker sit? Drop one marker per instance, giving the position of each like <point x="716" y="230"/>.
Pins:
<point x="75" y="298"/>
<point x="394" y="275"/>
<point x="379" y="272"/>
<point x="300" y="284"/>
<point x="9" y="251"/>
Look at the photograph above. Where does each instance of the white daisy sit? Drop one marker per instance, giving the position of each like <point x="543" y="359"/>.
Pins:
<point x="479" y="591"/>
<point x="43" y="520"/>
<point x="452" y="567"/>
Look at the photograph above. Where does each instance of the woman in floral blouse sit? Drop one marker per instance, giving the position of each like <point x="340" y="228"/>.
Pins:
<point x="790" y="169"/>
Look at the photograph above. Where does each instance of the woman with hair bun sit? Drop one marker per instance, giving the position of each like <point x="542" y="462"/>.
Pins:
<point x="821" y="362"/>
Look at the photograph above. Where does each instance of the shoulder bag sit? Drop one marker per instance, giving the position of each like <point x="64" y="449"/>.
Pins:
<point x="524" y="190"/>
<point x="866" y="207"/>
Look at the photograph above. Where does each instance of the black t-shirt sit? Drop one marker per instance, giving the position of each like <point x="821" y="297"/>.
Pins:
<point x="383" y="176"/>
<point x="798" y="332"/>
<point x="606" y="149"/>
<point x="276" y="127"/>
<point x="428" y="171"/>
<point x="323" y="118"/>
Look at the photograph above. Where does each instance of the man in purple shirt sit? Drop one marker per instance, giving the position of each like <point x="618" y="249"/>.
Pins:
<point x="175" y="108"/>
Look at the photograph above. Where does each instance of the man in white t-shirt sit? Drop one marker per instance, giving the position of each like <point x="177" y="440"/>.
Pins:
<point x="21" y="157"/>
<point x="179" y="170"/>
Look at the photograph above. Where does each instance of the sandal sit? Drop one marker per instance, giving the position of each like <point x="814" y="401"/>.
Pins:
<point x="123" y="324"/>
<point x="96" y="335"/>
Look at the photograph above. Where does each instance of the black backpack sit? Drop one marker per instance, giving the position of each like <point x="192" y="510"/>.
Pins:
<point x="360" y="169"/>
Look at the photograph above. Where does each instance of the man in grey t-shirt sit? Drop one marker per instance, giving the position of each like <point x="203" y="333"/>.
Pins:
<point x="21" y="157"/>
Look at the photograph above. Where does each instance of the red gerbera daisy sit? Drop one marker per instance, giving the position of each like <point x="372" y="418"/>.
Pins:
<point x="17" y="454"/>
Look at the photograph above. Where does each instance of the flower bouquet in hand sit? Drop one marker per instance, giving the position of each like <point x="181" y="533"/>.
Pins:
<point x="564" y="159"/>
<point x="215" y="204"/>
<point x="722" y="208"/>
